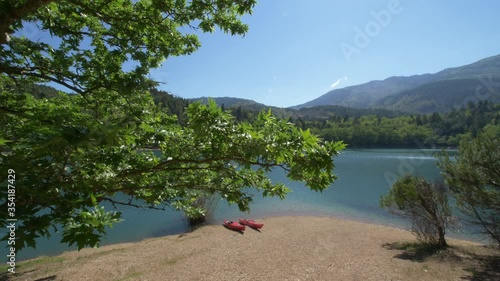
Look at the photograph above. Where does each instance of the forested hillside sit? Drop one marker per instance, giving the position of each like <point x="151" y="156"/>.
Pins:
<point x="441" y="96"/>
<point x="356" y="127"/>
<point x="175" y="105"/>
<point x="429" y="130"/>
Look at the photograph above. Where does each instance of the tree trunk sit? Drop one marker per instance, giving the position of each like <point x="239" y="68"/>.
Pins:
<point x="442" y="241"/>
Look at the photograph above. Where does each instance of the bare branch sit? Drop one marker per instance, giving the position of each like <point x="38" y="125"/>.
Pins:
<point x="130" y="204"/>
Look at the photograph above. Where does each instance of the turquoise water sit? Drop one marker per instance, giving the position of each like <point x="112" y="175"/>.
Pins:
<point x="364" y="175"/>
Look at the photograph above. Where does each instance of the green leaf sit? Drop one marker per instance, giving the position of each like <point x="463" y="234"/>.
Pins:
<point x="4" y="141"/>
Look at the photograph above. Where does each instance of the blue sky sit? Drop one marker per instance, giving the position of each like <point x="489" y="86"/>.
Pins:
<point x="298" y="50"/>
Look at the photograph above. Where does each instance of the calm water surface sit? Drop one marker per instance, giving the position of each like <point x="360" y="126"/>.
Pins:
<point x="364" y="175"/>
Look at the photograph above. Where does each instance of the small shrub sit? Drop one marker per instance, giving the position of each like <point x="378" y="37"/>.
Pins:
<point x="201" y="209"/>
<point x="425" y="204"/>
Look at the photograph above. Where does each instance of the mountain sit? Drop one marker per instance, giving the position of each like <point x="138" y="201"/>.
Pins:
<point x="485" y="67"/>
<point x="231" y="102"/>
<point x="248" y="107"/>
<point x="37" y="90"/>
<point x="440" y="96"/>
<point x="365" y="95"/>
<point x="377" y="93"/>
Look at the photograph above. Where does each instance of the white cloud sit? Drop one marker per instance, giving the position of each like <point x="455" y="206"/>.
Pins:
<point x="159" y="74"/>
<point x="270" y="90"/>
<point x="338" y="82"/>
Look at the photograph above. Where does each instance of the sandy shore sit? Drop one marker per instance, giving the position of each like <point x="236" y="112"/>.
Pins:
<point x="287" y="248"/>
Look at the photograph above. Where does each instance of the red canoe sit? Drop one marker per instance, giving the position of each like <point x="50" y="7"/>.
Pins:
<point x="251" y="223"/>
<point x="234" y="225"/>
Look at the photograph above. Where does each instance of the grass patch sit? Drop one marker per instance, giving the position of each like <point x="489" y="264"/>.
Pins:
<point x="26" y="266"/>
<point x="130" y="276"/>
<point x="100" y="254"/>
<point x="4" y="267"/>
<point x="173" y="261"/>
<point x="39" y="260"/>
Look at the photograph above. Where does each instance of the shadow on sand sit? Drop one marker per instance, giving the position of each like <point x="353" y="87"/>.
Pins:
<point x="413" y="251"/>
<point x="50" y="278"/>
<point x="8" y="276"/>
<point x="488" y="269"/>
<point x="256" y="229"/>
<point x="480" y="266"/>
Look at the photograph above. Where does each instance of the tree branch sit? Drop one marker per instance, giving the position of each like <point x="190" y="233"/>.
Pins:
<point x="15" y="14"/>
<point x="130" y="204"/>
<point x="30" y="72"/>
<point x="163" y="164"/>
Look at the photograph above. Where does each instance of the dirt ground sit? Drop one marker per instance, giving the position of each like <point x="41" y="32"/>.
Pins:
<point x="286" y="248"/>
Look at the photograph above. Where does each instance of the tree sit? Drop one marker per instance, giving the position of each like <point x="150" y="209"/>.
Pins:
<point x="72" y="153"/>
<point x="97" y="37"/>
<point x="425" y="204"/>
<point x="474" y="179"/>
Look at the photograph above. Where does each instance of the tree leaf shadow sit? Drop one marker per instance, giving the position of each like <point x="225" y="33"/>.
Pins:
<point x="49" y="278"/>
<point x="480" y="262"/>
<point x="6" y="276"/>
<point x="413" y="251"/>
<point x="487" y="268"/>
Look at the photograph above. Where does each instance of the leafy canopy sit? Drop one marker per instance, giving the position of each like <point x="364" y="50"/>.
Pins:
<point x="73" y="154"/>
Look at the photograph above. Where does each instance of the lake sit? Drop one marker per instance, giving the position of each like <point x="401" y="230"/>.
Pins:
<point x="364" y="175"/>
